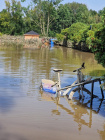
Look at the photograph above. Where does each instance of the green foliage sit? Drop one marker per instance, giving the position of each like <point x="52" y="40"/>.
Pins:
<point x="93" y="36"/>
<point x="77" y="31"/>
<point x="100" y="44"/>
<point x="64" y="15"/>
<point x="100" y="57"/>
<point x="75" y="28"/>
<point x="45" y="14"/>
<point x="60" y="37"/>
<point x="11" y="19"/>
<point x="92" y="39"/>
<point x="47" y="18"/>
<point x="4" y="21"/>
<point x="101" y="12"/>
<point x="93" y="17"/>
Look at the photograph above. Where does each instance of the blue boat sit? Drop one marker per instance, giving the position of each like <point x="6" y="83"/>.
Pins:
<point x="47" y="86"/>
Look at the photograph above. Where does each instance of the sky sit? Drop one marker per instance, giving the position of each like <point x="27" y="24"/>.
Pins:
<point x="91" y="4"/>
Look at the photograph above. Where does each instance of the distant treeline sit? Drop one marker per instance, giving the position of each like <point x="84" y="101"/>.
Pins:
<point x="46" y="17"/>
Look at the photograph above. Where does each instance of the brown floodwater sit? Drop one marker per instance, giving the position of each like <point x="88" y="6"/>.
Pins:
<point x="27" y="113"/>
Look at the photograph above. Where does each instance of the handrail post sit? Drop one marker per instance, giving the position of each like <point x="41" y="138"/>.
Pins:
<point x="59" y="83"/>
<point x="101" y="89"/>
<point x="92" y="88"/>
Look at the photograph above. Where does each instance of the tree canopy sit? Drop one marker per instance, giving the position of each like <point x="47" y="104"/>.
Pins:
<point x="47" y="17"/>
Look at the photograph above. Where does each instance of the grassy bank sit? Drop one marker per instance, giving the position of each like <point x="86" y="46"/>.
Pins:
<point x="7" y="41"/>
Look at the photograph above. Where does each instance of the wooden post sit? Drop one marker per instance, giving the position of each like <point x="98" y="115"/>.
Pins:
<point x="92" y="89"/>
<point x="101" y="89"/>
<point x="59" y="82"/>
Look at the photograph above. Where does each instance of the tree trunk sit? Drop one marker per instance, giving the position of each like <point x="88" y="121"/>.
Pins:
<point x="48" y="24"/>
<point x="43" y="24"/>
<point x="43" y="28"/>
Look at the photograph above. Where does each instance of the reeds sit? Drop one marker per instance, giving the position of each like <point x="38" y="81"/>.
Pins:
<point x="11" y="41"/>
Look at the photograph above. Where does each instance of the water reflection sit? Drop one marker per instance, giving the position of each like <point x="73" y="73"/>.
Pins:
<point x="44" y="60"/>
<point x="97" y="73"/>
<point x="102" y="133"/>
<point x="78" y="110"/>
<point x="81" y="110"/>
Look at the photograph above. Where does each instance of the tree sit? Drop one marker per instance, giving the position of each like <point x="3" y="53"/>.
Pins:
<point x="99" y="44"/>
<point x="93" y="17"/>
<point x="43" y="13"/>
<point x="79" y="12"/>
<point x="75" y="28"/>
<point x="16" y="16"/>
<point x="101" y="12"/>
<point x="11" y="21"/>
<point x="65" y="16"/>
<point x="5" y="19"/>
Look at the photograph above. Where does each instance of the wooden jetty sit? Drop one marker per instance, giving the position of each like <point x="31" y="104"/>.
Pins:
<point x="87" y="82"/>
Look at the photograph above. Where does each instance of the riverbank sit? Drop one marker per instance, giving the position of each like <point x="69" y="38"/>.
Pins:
<point x="19" y="42"/>
<point x="82" y="46"/>
<point x="11" y="41"/>
<point x="43" y="42"/>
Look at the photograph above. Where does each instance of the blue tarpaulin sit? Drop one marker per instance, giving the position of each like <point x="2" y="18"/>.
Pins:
<point x="51" y="42"/>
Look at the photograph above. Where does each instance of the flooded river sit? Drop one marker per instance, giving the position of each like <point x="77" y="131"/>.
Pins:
<point x="26" y="113"/>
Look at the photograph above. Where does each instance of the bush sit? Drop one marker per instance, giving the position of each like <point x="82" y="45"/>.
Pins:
<point x="92" y="39"/>
<point x="75" y="28"/>
<point x="0" y="34"/>
<point x="100" y="57"/>
<point x="60" y="37"/>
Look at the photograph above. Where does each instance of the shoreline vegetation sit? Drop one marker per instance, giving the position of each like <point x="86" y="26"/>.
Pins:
<point x="8" y="41"/>
<point x="86" y="38"/>
<point x="82" y="46"/>
<point x="19" y="42"/>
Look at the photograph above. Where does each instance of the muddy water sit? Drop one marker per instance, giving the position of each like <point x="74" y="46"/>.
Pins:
<point x="26" y="113"/>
